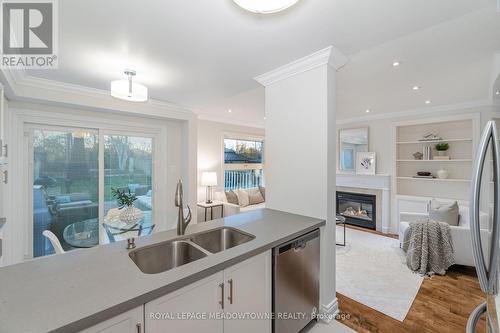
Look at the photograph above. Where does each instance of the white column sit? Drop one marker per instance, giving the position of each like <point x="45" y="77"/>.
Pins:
<point x="301" y="147"/>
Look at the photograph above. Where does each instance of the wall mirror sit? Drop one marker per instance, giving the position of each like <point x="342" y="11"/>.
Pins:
<point x="351" y="141"/>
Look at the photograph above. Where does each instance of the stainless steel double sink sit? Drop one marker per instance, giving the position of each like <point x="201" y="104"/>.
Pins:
<point x="166" y="255"/>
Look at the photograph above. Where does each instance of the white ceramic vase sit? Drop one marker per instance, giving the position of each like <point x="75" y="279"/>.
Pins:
<point x="131" y="215"/>
<point x="442" y="173"/>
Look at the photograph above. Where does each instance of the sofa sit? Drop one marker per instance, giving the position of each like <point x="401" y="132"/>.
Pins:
<point x="460" y="234"/>
<point x="231" y="208"/>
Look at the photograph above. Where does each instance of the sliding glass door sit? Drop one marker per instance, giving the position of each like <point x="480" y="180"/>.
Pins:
<point x="128" y="167"/>
<point x="73" y="172"/>
<point x="65" y="182"/>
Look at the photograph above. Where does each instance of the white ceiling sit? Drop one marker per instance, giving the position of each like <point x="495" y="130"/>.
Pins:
<point x="204" y="54"/>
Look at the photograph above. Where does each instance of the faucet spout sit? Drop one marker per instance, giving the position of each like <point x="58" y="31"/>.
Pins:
<point x="182" y="222"/>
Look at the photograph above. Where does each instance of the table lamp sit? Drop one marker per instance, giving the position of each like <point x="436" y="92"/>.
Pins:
<point x="209" y="179"/>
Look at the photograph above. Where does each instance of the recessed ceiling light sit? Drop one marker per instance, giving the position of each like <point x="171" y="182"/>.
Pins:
<point x="416" y="87"/>
<point x="265" y="118"/>
<point x="396" y="64"/>
<point x="497" y="93"/>
<point x="427" y="102"/>
<point x="128" y="90"/>
<point x="367" y="110"/>
<point x="265" y="6"/>
<point x="229" y="110"/>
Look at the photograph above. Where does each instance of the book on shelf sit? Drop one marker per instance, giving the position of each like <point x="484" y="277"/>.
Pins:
<point x="426" y="177"/>
<point x="441" y="158"/>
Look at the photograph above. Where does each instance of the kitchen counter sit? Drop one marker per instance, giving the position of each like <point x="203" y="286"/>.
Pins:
<point x="70" y="292"/>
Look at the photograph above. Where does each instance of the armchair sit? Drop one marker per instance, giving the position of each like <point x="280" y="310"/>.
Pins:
<point x="460" y="234"/>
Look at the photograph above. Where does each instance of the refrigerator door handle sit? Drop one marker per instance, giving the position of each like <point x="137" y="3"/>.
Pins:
<point x="487" y="274"/>
<point x="474" y="318"/>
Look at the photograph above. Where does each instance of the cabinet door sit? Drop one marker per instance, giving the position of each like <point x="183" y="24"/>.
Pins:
<point x="248" y="289"/>
<point x="172" y="312"/>
<point x="129" y="322"/>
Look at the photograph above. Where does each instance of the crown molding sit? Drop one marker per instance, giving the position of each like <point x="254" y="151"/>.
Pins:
<point x="419" y="111"/>
<point x="225" y="120"/>
<point x="327" y="56"/>
<point x="23" y="87"/>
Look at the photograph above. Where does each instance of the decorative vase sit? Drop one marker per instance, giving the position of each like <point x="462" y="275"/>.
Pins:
<point x="442" y="153"/>
<point x="131" y="215"/>
<point x="442" y="173"/>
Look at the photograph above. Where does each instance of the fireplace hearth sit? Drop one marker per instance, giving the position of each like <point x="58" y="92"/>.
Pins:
<point x="358" y="209"/>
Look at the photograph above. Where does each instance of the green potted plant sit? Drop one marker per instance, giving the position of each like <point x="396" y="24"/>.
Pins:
<point x="442" y="148"/>
<point x="130" y="214"/>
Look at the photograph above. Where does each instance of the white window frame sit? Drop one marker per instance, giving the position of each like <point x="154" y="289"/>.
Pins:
<point x="241" y="166"/>
<point x="21" y="234"/>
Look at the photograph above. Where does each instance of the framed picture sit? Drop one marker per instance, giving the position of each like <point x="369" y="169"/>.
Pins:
<point x="366" y="163"/>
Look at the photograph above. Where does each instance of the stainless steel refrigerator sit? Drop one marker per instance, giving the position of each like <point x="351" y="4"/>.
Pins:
<point x="485" y="195"/>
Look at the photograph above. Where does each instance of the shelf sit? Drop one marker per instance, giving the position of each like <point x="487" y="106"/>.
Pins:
<point x="446" y="161"/>
<point x="436" y="179"/>
<point x="432" y="141"/>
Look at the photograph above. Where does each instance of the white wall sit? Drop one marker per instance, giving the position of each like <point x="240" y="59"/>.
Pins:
<point x="380" y="131"/>
<point x="210" y="148"/>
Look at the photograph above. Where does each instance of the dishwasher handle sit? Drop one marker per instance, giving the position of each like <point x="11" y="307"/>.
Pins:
<point x="296" y="244"/>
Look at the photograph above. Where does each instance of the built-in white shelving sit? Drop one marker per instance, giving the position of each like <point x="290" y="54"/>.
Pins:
<point x="437" y="161"/>
<point x="460" y="132"/>
<point x="435" y="179"/>
<point x="431" y="141"/>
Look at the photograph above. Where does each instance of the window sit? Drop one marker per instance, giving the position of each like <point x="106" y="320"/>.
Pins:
<point x="243" y="163"/>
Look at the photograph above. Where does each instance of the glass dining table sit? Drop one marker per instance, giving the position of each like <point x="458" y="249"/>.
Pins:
<point x="85" y="234"/>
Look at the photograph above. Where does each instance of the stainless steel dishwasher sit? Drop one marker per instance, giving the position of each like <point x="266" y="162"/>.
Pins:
<point x="295" y="283"/>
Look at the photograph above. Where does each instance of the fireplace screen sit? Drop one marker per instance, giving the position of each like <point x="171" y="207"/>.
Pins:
<point x="357" y="208"/>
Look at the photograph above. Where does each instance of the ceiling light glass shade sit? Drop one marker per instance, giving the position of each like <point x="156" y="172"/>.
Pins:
<point x="121" y="89"/>
<point x="265" y="6"/>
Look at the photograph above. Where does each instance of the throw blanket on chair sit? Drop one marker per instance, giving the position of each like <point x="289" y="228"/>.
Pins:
<point x="429" y="248"/>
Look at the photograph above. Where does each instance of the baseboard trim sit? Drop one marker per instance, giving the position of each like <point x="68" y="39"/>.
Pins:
<point x="329" y="311"/>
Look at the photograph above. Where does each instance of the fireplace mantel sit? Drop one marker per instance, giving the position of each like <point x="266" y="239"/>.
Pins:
<point x="376" y="182"/>
<point x="379" y="184"/>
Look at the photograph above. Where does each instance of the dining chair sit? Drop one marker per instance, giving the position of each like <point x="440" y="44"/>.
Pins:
<point x="54" y="241"/>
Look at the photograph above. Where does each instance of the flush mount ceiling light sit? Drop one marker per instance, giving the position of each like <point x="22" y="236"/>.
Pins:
<point x="396" y="64"/>
<point x="416" y="87"/>
<point x="128" y="90"/>
<point x="427" y="102"/>
<point x="367" y="110"/>
<point x="265" y="6"/>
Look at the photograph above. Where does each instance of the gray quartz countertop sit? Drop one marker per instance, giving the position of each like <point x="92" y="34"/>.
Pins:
<point x="67" y="293"/>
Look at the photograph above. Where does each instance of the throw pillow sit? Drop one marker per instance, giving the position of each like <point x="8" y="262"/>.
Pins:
<point x="444" y="212"/>
<point x="263" y="192"/>
<point x="243" y="199"/>
<point x="232" y="198"/>
<point x="254" y="196"/>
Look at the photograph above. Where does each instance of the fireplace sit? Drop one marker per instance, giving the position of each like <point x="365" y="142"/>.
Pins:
<point x="358" y="209"/>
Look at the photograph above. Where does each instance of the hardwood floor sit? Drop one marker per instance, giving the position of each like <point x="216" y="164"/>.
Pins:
<point x="443" y="305"/>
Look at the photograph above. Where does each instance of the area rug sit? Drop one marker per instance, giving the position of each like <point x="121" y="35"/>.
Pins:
<point x="371" y="270"/>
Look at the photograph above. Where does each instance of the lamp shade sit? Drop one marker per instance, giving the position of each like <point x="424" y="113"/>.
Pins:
<point x="209" y="178"/>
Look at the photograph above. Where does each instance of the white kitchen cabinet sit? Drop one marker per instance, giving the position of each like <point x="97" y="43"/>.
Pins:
<point x="203" y="297"/>
<point x="248" y="289"/>
<point x="244" y="288"/>
<point x="129" y="322"/>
